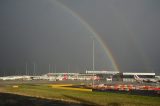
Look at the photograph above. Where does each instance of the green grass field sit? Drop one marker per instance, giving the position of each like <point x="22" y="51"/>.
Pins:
<point x="92" y="98"/>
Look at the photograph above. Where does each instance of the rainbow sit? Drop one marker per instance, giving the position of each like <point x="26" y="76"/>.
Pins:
<point x="135" y="41"/>
<point x="93" y="32"/>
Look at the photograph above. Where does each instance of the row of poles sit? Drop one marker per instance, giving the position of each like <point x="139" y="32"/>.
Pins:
<point x="34" y="66"/>
<point x="50" y="67"/>
<point x="93" y="63"/>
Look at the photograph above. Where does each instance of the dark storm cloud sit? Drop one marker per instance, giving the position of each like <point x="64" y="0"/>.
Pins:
<point x="130" y="28"/>
<point x="43" y="32"/>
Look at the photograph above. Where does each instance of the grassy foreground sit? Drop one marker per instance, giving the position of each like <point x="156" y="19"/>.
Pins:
<point x="92" y="98"/>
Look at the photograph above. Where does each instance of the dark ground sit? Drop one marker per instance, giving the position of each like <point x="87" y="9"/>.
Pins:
<point x="7" y="99"/>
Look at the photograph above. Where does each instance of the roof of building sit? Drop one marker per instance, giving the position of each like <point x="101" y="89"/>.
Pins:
<point x="103" y="72"/>
<point x="132" y="73"/>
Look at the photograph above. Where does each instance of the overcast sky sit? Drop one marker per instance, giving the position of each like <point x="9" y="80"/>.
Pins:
<point x="53" y="32"/>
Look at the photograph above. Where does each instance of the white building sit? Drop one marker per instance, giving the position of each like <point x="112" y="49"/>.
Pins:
<point x="129" y="76"/>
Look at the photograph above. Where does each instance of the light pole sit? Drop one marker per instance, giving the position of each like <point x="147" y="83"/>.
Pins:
<point x="34" y="72"/>
<point x="93" y="63"/>
<point x="49" y="67"/>
<point x="26" y="68"/>
<point x="55" y="68"/>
